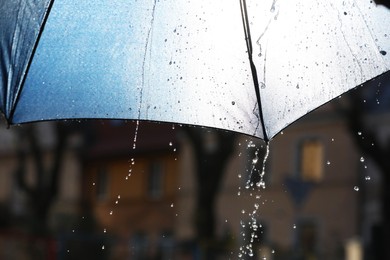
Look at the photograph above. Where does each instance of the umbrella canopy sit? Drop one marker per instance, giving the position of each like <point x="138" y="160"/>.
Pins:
<point x="187" y="61"/>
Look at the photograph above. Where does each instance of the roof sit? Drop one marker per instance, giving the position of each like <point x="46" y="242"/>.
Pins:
<point x="117" y="138"/>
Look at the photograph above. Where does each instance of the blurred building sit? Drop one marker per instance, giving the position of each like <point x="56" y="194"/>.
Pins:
<point x="322" y="197"/>
<point x="130" y="184"/>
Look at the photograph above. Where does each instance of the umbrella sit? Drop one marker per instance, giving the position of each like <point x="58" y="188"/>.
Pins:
<point x="250" y="66"/>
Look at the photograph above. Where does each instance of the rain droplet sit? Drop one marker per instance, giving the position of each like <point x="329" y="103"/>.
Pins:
<point x="362" y="159"/>
<point x="103" y="247"/>
<point x="368" y="178"/>
<point x="170" y="143"/>
<point x="111" y="212"/>
<point x="356" y="188"/>
<point x="262" y="85"/>
<point x="243" y="211"/>
<point x="105" y="230"/>
<point x="294" y="226"/>
<point x="328" y="162"/>
<point x="383" y="52"/>
<point x="172" y="205"/>
<point x="233" y="103"/>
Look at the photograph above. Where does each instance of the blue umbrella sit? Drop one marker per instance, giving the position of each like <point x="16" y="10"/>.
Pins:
<point x="250" y="66"/>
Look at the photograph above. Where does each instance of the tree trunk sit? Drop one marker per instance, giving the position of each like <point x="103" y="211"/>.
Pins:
<point x="212" y="152"/>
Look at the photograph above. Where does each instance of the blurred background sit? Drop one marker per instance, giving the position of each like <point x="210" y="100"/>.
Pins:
<point x="143" y="190"/>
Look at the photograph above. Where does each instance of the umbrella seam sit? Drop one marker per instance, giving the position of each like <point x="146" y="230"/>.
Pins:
<point x="248" y="40"/>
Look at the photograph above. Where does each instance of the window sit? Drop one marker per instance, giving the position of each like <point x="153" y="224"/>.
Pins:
<point x="307" y="239"/>
<point x="311" y="160"/>
<point x="155" y="180"/>
<point x="102" y="183"/>
<point x="139" y="245"/>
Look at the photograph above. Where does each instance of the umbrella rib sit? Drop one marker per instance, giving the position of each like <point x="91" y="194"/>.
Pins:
<point x="31" y="55"/>
<point x="248" y="40"/>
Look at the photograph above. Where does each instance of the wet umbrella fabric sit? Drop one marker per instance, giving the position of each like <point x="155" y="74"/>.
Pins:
<point x="187" y="61"/>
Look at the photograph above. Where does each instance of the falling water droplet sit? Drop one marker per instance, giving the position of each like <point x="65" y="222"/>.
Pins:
<point x="328" y="162"/>
<point x="294" y="226"/>
<point x="362" y="159"/>
<point x="356" y="188"/>
<point x="368" y="178"/>
<point x="103" y="247"/>
<point x="172" y="205"/>
<point x="170" y="143"/>
<point x="111" y="212"/>
<point x="135" y="135"/>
